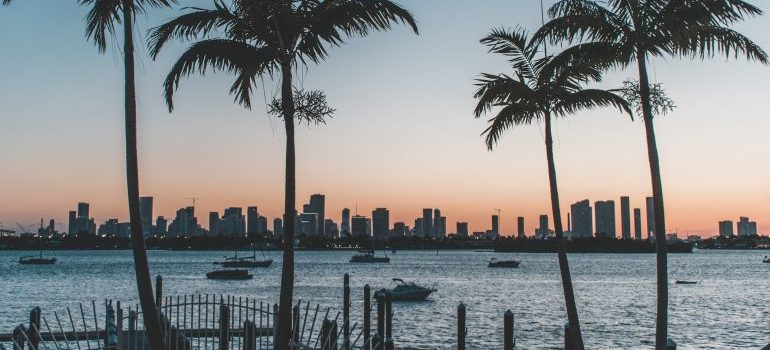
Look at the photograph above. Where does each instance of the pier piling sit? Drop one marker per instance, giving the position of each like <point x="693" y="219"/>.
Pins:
<point x="508" y="330"/>
<point x="461" y="330"/>
<point x="34" y="328"/>
<point x="158" y="291"/>
<point x="346" y="312"/>
<point x="224" y="327"/>
<point x="367" y="317"/>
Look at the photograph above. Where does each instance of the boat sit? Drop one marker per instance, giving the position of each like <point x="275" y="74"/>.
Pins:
<point x="39" y="260"/>
<point x="232" y="274"/>
<point x="494" y="262"/>
<point x="408" y="291"/>
<point x="367" y="256"/>
<point x="686" y="282"/>
<point x="766" y="260"/>
<point x="249" y="261"/>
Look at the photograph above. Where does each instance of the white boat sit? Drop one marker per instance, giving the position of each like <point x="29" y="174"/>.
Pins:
<point x="408" y="291"/>
<point x="367" y="256"/>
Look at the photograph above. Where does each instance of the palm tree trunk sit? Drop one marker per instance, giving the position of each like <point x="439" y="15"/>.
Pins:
<point x="661" y="324"/>
<point x="561" y="249"/>
<point x="287" y="272"/>
<point x="143" y="279"/>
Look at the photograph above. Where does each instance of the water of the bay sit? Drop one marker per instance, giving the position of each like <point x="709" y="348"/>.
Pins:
<point x="728" y="309"/>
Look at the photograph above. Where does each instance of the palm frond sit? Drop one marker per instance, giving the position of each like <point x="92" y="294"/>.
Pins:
<point x="101" y="20"/>
<point x="707" y="41"/>
<point x="590" y="99"/>
<point x="496" y="90"/>
<point x="514" y="45"/>
<point x="509" y="116"/>
<point x="196" y="24"/>
<point x="242" y="59"/>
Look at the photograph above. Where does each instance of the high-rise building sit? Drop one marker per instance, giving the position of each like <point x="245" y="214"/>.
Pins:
<point x="436" y="223"/>
<point x="161" y="226"/>
<point x="261" y="226"/>
<point x="309" y="224"/>
<point x="726" y="229"/>
<point x="233" y="222"/>
<point x="399" y="229"/>
<point x="418" y="229"/>
<point x="317" y="205"/>
<point x="625" y="217"/>
<point x="73" y="223"/>
<point x="83" y="209"/>
<point x="185" y="223"/>
<point x="345" y="224"/>
<point x="427" y="223"/>
<point x="145" y="212"/>
<point x="605" y="218"/>
<point x="753" y="228"/>
<point x="252" y="220"/>
<point x="214" y="226"/>
<point x="650" y="201"/>
<point x="582" y="219"/>
<point x="380" y="223"/>
<point x="543" y="231"/>
<point x="462" y="230"/>
<point x="520" y="227"/>
<point x="637" y="223"/>
<point x="442" y="230"/>
<point x="746" y="227"/>
<point x="359" y="225"/>
<point x="277" y="227"/>
<point x="496" y="226"/>
<point x="83" y="223"/>
<point x="331" y="228"/>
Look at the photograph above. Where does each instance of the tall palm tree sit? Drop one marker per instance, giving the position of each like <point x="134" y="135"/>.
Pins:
<point x="256" y="38"/>
<point x="101" y="21"/>
<point x="542" y="89"/>
<point x="628" y="31"/>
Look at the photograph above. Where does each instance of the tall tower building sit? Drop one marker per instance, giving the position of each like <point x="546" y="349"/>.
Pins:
<point x="496" y="225"/>
<point x="277" y="227"/>
<point x="625" y="217"/>
<point x="359" y="225"/>
<point x="214" y="229"/>
<point x="582" y="222"/>
<point x="436" y="223"/>
<point x="161" y="226"/>
<point x="380" y="223"/>
<point x="145" y="212"/>
<point x="520" y="227"/>
<point x="462" y="230"/>
<point x="399" y="229"/>
<point x="637" y="223"/>
<point x="650" y="201"/>
<point x="544" y="230"/>
<point x="252" y="220"/>
<point x="73" y="223"/>
<point x="83" y="209"/>
<point x="418" y="229"/>
<point x="726" y="229"/>
<point x="605" y="219"/>
<point x="317" y="205"/>
<point x="345" y="224"/>
<point x="427" y="222"/>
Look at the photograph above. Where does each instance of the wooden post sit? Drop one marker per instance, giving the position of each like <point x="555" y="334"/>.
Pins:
<point x="132" y="317"/>
<point x="250" y="333"/>
<point x="346" y="312"/>
<point x="110" y="329"/>
<point x="376" y="342"/>
<point x="567" y="337"/>
<point x="367" y="317"/>
<point x="461" y="330"/>
<point x="18" y="337"/>
<point x="158" y="291"/>
<point x="508" y="330"/>
<point x="33" y="333"/>
<point x="295" y="324"/>
<point x="326" y="334"/>
<point x="380" y="296"/>
<point x="224" y="327"/>
<point x="119" y="320"/>
<point x="388" y="321"/>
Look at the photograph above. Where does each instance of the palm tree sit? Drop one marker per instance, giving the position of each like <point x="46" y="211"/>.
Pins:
<point x="628" y="31"/>
<point x="262" y="37"/>
<point x="101" y="20"/>
<point x="542" y="89"/>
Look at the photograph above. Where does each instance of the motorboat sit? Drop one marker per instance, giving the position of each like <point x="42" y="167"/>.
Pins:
<point x="494" y="262"/>
<point x="232" y="274"/>
<point x="39" y="260"/>
<point x="367" y="256"/>
<point x="408" y="291"/>
<point x="766" y="260"/>
<point x="686" y="282"/>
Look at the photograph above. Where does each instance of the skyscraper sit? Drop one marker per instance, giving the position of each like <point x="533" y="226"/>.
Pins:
<point x="726" y="229"/>
<point x="418" y="229"/>
<point x="520" y="227"/>
<point x="309" y="224"/>
<point x="161" y="226"/>
<point x="359" y="225"/>
<point x="185" y="223"/>
<point x="605" y="219"/>
<point x="625" y="217"/>
<point x="746" y="227"/>
<point x="317" y="204"/>
<point x="83" y="210"/>
<point x="582" y="222"/>
<point x="442" y="231"/>
<point x="73" y="223"/>
<point x="399" y="229"/>
<point x="214" y="224"/>
<point x="277" y="227"/>
<point x="252" y="220"/>
<point x="496" y="225"/>
<point x="427" y="222"/>
<point x="436" y="223"/>
<point x="637" y="223"/>
<point x="543" y="231"/>
<point x="650" y="201"/>
<point x="233" y="222"/>
<point x="145" y="212"/>
<point x="462" y="230"/>
<point x="345" y="224"/>
<point x="380" y="223"/>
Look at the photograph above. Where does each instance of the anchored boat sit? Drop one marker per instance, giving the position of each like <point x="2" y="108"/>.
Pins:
<point x="367" y="256"/>
<point x="766" y="260"/>
<point x="39" y="260"/>
<point x="494" y="262"/>
<point x="408" y="291"/>
<point x="686" y="282"/>
<point x="234" y="274"/>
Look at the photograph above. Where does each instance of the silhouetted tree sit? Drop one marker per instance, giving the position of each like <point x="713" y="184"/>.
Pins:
<point x="101" y="21"/>
<point x="255" y="38"/>
<point x="541" y="89"/>
<point x="628" y="31"/>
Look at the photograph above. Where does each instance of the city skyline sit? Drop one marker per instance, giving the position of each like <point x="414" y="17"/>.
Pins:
<point x="229" y="156"/>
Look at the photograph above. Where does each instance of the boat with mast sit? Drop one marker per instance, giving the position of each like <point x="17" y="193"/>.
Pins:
<point x="39" y="260"/>
<point x="248" y="261"/>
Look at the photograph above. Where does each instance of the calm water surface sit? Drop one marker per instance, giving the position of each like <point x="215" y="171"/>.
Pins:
<point x="728" y="309"/>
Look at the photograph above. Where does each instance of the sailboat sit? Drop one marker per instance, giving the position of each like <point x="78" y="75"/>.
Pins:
<point x="32" y="260"/>
<point x="249" y="261"/>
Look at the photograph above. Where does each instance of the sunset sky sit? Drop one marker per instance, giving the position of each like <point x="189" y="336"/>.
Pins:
<point x="403" y="137"/>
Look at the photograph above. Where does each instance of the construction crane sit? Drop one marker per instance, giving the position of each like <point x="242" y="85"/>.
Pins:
<point x="194" y="200"/>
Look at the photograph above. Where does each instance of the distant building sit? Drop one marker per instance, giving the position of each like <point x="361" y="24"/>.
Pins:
<point x="442" y="231"/>
<point x="427" y="222"/>
<point x="520" y="227"/>
<point x="726" y="229"/>
<point x="252" y="220"/>
<point x="746" y="227"/>
<point x="650" y="217"/>
<point x="331" y="228"/>
<point x="543" y="231"/>
<point x="161" y="226"/>
<point x="345" y="224"/>
<point x="637" y="223"/>
<point x="605" y="218"/>
<point x="417" y="231"/>
<point x="582" y="221"/>
<point x="462" y="230"/>
<point x="359" y="225"/>
<point x="73" y="224"/>
<point x="185" y="224"/>
<point x="399" y="229"/>
<point x="145" y="212"/>
<point x="436" y="223"/>
<point x="625" y="217"/>
<point x="81" y="224"/>
<point x="496" y="226"/>
<point x="277" y="227"/>
<point x="380" y="223"/>
<point x="317" y="205"/>
<point x="214" y="224"/>
<point x="309" y="224"/>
